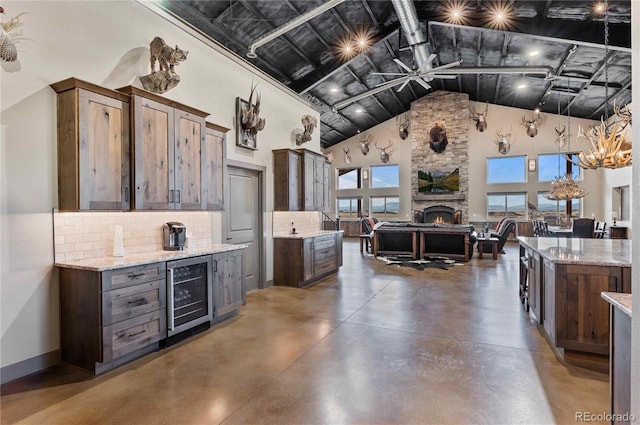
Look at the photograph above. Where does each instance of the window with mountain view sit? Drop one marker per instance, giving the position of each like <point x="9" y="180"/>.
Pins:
<point x="551" y="166"/>
<point x="385" y="206"/>
<point x="512" y="205"/>
<point x="551" y="209"/>
<point x="349" y="207"/>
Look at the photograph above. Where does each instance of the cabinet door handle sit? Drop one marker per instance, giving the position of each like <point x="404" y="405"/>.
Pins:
<point x="135" y="275"/>
<point x="170" y="296"/>
<point x="137" y="333"/>
<point x="178" y="193"/>
<point x="138" y="302"/>
<point x="215" y="266"/>
<point x="171" y="197"/>
<point x="126" y="194"/>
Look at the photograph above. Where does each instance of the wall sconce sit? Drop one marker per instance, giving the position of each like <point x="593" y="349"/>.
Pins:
<point x="365" y="174"/>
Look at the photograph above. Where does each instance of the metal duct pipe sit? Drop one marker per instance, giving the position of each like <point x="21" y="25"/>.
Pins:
<point x="408" y="18"/>
<point x="291" y="25"/>
<point x="546" y="70"/>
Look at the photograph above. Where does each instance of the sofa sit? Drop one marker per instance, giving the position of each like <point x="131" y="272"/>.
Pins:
<point x="424" y="239"/>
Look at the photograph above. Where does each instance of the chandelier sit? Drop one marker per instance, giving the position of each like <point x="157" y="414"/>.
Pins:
<point x="609" y="149"/>
<point x="564" y="189"/>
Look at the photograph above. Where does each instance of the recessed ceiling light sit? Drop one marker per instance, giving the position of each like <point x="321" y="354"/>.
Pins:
<point x="500" y="16"/>
<point x="533" y="53"/>
<point x="522" y="86"/>
<point x="455" y="13"/>
<point x="359" y="110"/>
<point x="334" y="89"/>
<point x="599" y="8"/>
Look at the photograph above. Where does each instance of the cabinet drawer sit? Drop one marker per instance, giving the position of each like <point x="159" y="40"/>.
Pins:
<point x="131" y="301"/>
<point x="113" y="279"/>
<point x="324" y="266"/>
<point x="130" y="335"/>
<point x="322" y="254"/>
<point x="322" y="242"/>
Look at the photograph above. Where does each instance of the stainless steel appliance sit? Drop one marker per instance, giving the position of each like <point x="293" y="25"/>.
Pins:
<point x="189" y="293"/>
<point x="174" y="236"/>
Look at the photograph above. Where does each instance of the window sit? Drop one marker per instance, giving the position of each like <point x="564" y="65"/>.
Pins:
<point x="349" y="178"/>
<point x="512" y="205"/>
<point x="555" y="165"/>
<point x="385" y="206"/>
<point x="385" y="176"/>
<point x="620" y="202"/>
<point x="551" y="209"/>
<point x="349" y="207"/>
<point x="510" y="169"/>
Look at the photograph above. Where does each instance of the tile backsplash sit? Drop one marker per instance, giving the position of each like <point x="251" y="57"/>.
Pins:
<point x="303" y="221"/>
<point x="79" y="235"/>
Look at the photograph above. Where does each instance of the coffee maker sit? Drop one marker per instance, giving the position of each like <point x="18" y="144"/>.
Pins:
<point x="174" y="236"/>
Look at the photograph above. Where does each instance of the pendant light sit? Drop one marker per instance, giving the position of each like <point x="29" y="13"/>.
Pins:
<point x="609" y="149"/>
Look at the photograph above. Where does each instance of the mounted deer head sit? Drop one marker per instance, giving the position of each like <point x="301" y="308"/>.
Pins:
<point x="385" y="153"/>
<point x="402" y="121"/>
<point x="329" y="155"/>
<point x="532" y="125"/>
<point x="364" y="144"/>
<point x="503" y="141"/>
<point x="438" y="135"/>
<point x="479" y="117"/>
<point x="561" y="136"/>
<point x="347" y="157"/>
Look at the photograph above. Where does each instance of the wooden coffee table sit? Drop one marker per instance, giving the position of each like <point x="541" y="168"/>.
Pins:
<point x="494" y="246"/>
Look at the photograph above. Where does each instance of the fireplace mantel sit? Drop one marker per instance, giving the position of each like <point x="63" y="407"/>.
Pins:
<point x="440" y="197"/>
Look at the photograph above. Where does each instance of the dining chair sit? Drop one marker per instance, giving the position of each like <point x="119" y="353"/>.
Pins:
<point x="583" y="228"/>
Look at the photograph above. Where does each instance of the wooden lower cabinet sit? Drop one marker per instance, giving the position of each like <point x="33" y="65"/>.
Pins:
<point x="229" y="291"/>
<point x="583" y="319"/>
<point x="620" y="368"/>
<point x="301" y="261"/>
<point x="109" y="318"/>
<point x="535" y="284"/>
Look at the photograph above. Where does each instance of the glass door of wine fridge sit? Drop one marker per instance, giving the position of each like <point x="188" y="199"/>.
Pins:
<point x="189" y="293"/>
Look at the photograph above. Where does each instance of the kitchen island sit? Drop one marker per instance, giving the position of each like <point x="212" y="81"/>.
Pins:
<point x="565" y="277"/>
<point x="300" y="259"/>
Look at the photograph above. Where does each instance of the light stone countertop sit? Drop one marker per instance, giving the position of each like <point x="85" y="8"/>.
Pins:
<point x="621" y="301"/>
<point x="595" y="252"/>
<point x="109" y="263"/>
<point x="306" y="234"/>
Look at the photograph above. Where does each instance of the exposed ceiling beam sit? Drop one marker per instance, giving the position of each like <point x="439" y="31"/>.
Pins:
<point x="608" y="99"/>
<point x="454" y="39"/>
<point x="326" y="71"/>
<point x="355" y="77"/>
<point x="563" y="63"/>
<point x="393" y="55"/>
<point x="434" y="49"/>
<point x="375" y="68"/>
<point x="604" y="63"/>
<point x="503" y="56"/>
<point x="478" y="62"/>
<point x="589" y="34"/>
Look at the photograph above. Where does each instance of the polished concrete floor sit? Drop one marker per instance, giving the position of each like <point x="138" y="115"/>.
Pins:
<point x="374" y="344"/>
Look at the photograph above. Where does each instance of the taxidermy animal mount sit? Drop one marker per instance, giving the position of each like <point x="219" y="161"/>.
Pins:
<point x="309" y="123"/>
<point x="364" y="144"/>
<point x="347" y="157"/>
<point x="532" y="125"/>
<point x="250" y="120"/>
<point x="385" y="153"/>
<point x="403" y="126"/>
<point x="503" y="141"/>
<point x="167" y="58"/>
<point x="438" y="136"/>
<point x="479" y="117"/>
<point x="10" y="36"/>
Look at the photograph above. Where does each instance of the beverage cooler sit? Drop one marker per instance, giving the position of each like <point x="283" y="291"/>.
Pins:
<point x="189" y="293"/>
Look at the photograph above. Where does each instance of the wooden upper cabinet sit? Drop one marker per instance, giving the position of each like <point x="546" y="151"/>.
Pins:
<point x="93" y="147"/>
<point x="301" y="180"/>
<point x="215" y="163"/>
<point x="168" y="145"/>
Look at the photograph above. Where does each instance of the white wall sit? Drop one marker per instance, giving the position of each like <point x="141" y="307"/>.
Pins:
<point x="106" y="43"/>
<point x="381" y="134"/>
<point x="482" y="146"/>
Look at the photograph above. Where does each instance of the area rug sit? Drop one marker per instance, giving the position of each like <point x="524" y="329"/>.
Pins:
<point x="426" y="263"/>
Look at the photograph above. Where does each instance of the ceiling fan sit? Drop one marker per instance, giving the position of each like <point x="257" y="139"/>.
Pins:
<point x="418" y="75"/>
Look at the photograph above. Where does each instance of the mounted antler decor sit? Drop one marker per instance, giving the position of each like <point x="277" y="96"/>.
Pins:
<point x="503" y="141"/>
<point x="309" y="123"/>
<point x="438" y="137"/>
<point x="479" y="117"/>
<point x="402" y="121"/>
<point x="248" y="120"/>
<point x="532" y="124"/>
<point x="561" y="136"/>
<point x="347" y="157"/>
<point x="385" y="152"/>
<point x="167" y="57"/>
<point x="364" y="144"/>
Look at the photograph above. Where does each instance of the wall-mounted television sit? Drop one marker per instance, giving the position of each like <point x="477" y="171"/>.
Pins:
<point x="440" y="180"/>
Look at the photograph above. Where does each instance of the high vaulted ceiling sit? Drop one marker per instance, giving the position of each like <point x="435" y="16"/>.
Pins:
<point x="568" y="75"/>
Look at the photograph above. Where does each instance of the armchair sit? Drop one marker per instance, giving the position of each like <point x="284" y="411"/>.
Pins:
<point x="505" y="227"/>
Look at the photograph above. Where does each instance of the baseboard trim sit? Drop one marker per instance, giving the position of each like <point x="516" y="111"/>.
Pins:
<point x="27" y="367"/>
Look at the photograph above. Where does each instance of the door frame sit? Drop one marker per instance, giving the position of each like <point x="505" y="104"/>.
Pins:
<point x="262" y="190"/>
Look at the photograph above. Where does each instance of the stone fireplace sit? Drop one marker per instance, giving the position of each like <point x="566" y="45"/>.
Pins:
<point x="453" y="110"/>
<point x="438" y="214"/>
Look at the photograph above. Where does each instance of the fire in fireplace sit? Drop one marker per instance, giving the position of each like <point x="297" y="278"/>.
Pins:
<point x="439" y="214"/>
